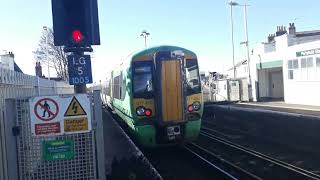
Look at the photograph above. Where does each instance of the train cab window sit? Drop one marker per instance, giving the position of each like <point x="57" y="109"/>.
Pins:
<point x="142" y="80"/>
<point x="192" y="76"/>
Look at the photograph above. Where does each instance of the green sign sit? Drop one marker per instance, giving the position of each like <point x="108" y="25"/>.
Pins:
<point x="58" y="150"/>
<point x="308" y="52"/>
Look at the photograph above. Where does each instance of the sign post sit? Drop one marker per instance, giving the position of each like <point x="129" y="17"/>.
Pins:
<point x="76" y="27"/>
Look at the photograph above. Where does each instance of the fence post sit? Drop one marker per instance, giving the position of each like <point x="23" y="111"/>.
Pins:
<point x="11" y="162"/>
<point x="38" y="85"/>
<point x="99" y="135"/>
<point x="1" y="144"/>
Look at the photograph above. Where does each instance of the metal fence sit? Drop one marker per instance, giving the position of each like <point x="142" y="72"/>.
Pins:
<point x="18" y="85"/>
<point x="33" y="167"/>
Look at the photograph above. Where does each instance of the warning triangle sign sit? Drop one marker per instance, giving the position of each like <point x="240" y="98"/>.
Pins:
<point x="75" y="108"/>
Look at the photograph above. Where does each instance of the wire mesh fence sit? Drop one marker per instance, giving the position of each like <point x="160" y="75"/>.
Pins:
<point x="18" y="85"/>
<point x="32" y="165"/>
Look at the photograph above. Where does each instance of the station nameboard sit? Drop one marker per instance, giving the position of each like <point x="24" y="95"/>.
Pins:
<point x="57" y="115"/>
<point x="308" y="52"/>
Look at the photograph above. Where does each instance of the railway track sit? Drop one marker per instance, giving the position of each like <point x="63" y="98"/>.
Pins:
<point x="221" y="166"/>
<point x="290" y="153"/>
<point x="248" y="162"/>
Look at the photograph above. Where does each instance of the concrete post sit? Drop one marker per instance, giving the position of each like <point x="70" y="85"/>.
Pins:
<point x="99" y="134"/>
<point x="11" y="157"/>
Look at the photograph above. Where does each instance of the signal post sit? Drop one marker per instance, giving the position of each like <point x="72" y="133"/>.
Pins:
<point x="76" y="27"/>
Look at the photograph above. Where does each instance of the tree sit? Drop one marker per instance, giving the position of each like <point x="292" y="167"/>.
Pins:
<point x="57" y="58"/>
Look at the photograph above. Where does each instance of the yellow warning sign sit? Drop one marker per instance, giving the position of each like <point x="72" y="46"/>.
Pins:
<point x="75" y="108"/>
<point x="76" y="124"/>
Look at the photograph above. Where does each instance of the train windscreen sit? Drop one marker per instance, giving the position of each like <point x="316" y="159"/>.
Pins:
<point x="192" y="77"/>
<point x="142" y="80"/>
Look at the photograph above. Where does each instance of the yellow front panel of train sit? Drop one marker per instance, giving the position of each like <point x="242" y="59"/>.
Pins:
<point x="194" y="98"/>
<point x="171" y="91"/>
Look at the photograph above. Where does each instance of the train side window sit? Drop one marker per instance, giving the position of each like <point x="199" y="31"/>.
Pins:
<point x="116" y="87"/>
<point x="142" y="80"/>
<point x="123" y="86"/>
<point x="120" y="85"/>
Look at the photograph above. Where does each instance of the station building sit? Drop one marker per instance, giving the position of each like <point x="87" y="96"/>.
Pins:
<point x="287" y="67"/>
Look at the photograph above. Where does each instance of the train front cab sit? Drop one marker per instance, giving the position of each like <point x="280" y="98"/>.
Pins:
<point x="169" y="111"/>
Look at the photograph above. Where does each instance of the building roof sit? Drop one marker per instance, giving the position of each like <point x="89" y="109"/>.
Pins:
<point x="17" y="68"/>
<point x="308" y="33"/>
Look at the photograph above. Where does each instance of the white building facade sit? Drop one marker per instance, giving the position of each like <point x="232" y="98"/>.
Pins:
<point x="287" y="67"/>
<point x="7" y="61"/>
<point x="241" y="70"/>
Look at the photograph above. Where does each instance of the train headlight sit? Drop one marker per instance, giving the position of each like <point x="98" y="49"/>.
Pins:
<point x="196" y="105"/>
<point x="140" y="111"/>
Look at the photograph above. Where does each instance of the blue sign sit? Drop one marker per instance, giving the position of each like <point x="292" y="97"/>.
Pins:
<point x="79" y="67"/>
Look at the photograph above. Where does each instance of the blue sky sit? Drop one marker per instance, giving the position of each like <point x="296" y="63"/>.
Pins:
<point x="202" y="26"/>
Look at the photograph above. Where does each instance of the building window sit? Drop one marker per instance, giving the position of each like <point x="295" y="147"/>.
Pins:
<point x="307" y="69"/>
<point x="293" y="67"/>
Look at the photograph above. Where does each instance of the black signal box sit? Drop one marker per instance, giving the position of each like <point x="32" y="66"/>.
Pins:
<point x="75" y="23"/>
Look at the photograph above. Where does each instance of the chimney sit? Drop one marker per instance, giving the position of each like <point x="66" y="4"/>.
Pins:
<point x="292" y="29"/>
<point x="38" y="69"/>
<point x="281" y="30"/>
<point x="11" y="54"/>
<point x="271" y="38"/>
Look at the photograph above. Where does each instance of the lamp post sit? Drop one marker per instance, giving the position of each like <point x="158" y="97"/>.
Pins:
<point x="248" y="51"/>
<point x="231" y="3"/>
<point x="246" y="42"/>
<point x="145" y="34"/>
<point x="45" y="28"/>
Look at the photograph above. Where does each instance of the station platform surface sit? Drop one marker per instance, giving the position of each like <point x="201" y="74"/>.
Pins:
<point x="281" y="106"/>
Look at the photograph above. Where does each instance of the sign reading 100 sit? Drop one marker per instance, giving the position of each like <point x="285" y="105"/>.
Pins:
<point x="79" y="67"/>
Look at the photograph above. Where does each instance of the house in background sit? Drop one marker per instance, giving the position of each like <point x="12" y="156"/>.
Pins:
<point x="287" y="67"/>
<point x="7" y="62"/>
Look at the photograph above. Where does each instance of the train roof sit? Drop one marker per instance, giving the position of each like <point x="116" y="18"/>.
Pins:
<point x="153" y="50"/>
<point x="146" y="53"/>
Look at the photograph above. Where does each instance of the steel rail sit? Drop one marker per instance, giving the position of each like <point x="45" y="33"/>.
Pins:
<point x="261" y="156"/>
<point x="200" y="152"/>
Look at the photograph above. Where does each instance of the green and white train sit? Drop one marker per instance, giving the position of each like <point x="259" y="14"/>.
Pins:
<point x="157" y="93"/>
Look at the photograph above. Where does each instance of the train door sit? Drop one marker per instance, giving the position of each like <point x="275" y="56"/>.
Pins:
<point x="170" y="91"/>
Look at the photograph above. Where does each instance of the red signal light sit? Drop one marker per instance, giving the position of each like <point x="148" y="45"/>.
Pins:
<point x="148" y="112"/>
<point x="77" y="36"/>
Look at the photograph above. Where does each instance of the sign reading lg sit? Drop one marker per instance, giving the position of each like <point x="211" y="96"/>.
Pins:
<point x="79" y="67"/>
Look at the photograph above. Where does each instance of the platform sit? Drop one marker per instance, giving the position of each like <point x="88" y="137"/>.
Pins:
<point x="282" y="107"/>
